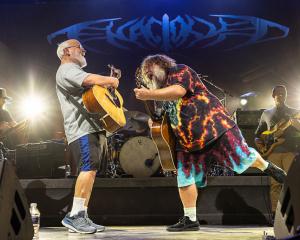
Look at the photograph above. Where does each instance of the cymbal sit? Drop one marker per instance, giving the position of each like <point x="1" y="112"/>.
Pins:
<point x="136" y="122"/>
<point x="137" y="116"/>
<point x="248" y="94"/>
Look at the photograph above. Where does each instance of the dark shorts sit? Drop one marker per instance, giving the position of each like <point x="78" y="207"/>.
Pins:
<point x="230" y="150"/>
<point x="90" y="153"/>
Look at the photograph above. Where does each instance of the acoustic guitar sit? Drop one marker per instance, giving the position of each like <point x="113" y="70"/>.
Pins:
<point x="273" y="137"/>
<point x="107" y="103"/>
<point x="161" y="132"/>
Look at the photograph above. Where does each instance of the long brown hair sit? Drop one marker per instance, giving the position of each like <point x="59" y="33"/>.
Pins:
<point x="161" y="60"/>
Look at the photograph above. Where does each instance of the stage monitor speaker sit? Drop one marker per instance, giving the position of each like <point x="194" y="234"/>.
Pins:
<point x="248" y="118"/>
<point x="40" y="160"/>
<point x="287" y="217"/>
<point x="15" y="219"/>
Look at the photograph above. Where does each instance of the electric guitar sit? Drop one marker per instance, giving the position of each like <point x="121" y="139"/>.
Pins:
<point x="161" y="132"/>
<point x="107" y="103"/>
<point x="273" y="137"/>
<point x="18" y="127"/>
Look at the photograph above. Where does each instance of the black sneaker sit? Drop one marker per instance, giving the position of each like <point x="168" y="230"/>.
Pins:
<point x="184" y="224"/>
<point x="275" y="172"/>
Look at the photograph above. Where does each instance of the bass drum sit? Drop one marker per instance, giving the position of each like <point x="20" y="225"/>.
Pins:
<point x="139" y="157"/>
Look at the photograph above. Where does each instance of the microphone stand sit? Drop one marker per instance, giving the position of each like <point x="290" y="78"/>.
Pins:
<point x="223" y="91"/>
<point x="2" y="152"/>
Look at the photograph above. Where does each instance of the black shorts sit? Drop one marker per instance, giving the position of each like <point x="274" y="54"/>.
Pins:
<point x="90" y="153"/>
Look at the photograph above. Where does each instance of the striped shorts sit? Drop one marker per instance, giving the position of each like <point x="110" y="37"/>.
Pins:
<point x="90" y="152"/>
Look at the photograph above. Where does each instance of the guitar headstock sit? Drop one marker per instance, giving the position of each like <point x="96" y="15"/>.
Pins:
<point x="114" y="72"/>
<point x="138" y="77"/>
<point x="139" y="80"/>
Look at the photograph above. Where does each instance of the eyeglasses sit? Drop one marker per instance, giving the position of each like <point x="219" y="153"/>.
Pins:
<point x="83" y="51"/>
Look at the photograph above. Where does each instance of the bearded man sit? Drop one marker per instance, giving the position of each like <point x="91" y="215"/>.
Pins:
<point x="204" y="131"/>
<point x="87" y="143"/>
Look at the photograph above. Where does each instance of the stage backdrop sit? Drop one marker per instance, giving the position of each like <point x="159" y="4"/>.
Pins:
<point x="242" y="46"/>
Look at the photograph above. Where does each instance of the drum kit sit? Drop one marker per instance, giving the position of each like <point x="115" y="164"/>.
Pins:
<point x="133" y="153"/>
<point x="131" y="150"/>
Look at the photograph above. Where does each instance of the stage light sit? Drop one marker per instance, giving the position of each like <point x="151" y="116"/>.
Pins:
<point x="243" y="101"/>
<point x="32" y="107"/>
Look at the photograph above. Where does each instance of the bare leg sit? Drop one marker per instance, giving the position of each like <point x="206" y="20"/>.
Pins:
<point x="188" y="196"/>
<point x="260" y="163"/>
<point x="83" y="189"/>
<point x="84" y="185"/>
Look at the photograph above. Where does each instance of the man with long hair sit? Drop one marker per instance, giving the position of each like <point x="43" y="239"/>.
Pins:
<point x="204" y="131"/>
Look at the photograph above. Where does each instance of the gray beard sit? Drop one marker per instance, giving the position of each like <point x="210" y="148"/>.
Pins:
<point x="82" y="62"/>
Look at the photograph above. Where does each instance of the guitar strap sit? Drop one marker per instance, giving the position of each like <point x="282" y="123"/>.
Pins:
<point x="88" y="116"/>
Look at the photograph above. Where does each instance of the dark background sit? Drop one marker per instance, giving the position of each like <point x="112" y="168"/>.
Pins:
<point x="28" y="61"/>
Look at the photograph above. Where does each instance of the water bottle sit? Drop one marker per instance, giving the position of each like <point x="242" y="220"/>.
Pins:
<point x="35" y="217"/>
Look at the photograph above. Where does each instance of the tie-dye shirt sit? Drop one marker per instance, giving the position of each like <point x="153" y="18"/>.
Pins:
<point x="198" y="118"/>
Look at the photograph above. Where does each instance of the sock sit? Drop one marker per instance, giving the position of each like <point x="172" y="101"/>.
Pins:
<point x="264" y="166"/>
<point x="191" y="213"/>
<point x="85" y="211"/>
<point x="78" y="205"/>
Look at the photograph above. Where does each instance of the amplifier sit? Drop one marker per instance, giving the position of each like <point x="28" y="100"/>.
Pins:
<point x="40" y="160"/>
<point x="248" y="118"/>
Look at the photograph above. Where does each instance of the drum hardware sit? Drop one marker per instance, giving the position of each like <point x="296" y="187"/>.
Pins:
<point x="150" y="161"/>
<point x="3" y="153"/>
<point x="215" y="169"/>
<point x="114" y="143"/>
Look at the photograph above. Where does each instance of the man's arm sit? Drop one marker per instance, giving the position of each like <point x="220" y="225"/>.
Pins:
<point x="169" y="93"/>
<point x="295" y="122"/>
<point x="104" y="81"/>
<point x="4" y="126"/>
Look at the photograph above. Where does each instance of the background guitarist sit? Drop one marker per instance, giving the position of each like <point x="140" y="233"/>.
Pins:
<point x="204" y="131"/>
<point x="87" y="144"/>
<point x="282" y="155"/>
<point x="6" y="120"/>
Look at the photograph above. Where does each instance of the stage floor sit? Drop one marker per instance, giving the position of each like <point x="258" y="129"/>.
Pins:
<point x="159" y="233"/>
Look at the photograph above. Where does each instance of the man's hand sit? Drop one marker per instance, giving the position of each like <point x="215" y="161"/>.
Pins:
<point x="142" y="93"/>
<point x="150" y="122"/>
<point x="295" y="123"/>
<point x="113" y="82"/>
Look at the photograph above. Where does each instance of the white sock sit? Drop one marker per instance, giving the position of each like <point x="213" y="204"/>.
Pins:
<point x="191" y="213"/>
<point x="78" y="205"/>
<point x="85" y="211"/>
<point x="265" y="165"/>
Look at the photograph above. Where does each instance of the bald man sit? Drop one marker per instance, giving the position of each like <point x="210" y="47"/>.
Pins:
<point x="87" y="141"/>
